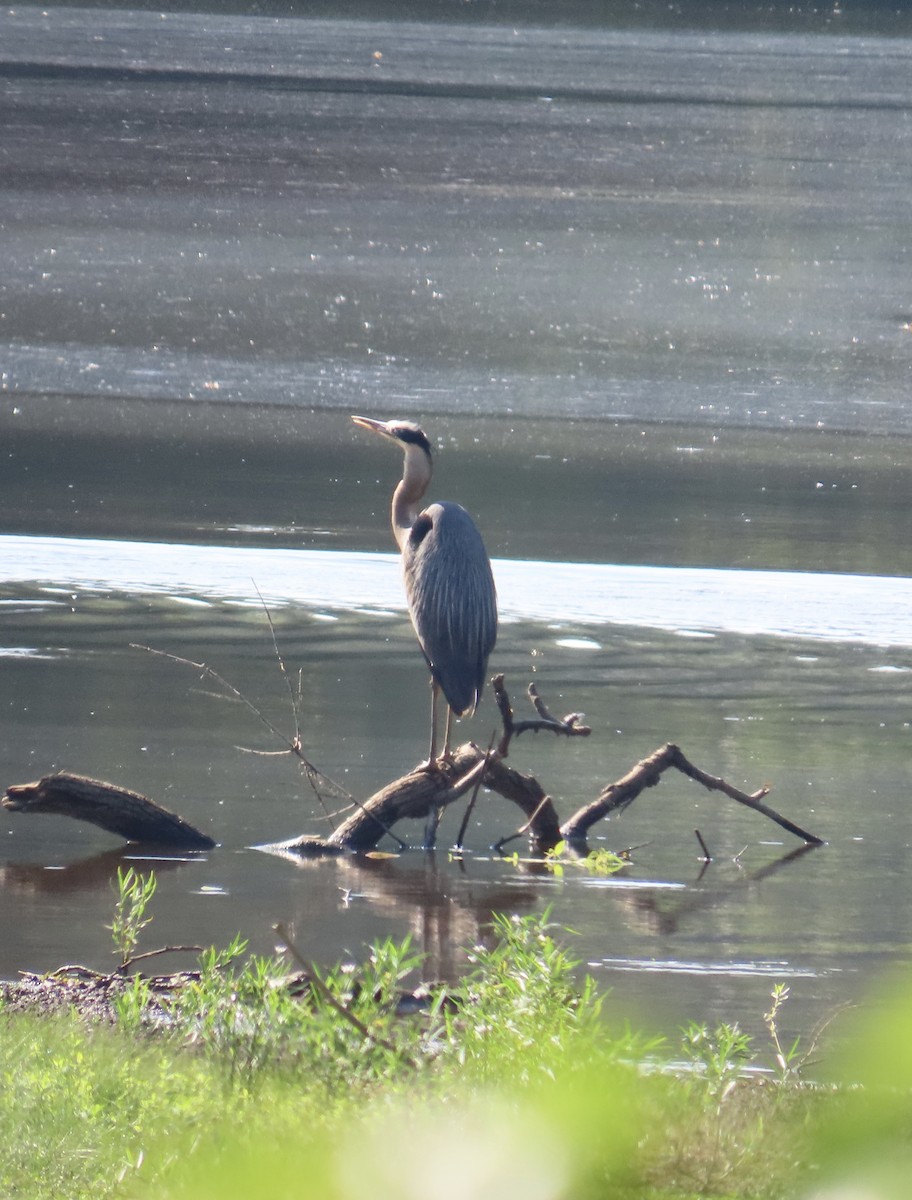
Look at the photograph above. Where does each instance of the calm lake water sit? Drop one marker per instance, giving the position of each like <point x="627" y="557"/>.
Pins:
<point x="648" y="293"/>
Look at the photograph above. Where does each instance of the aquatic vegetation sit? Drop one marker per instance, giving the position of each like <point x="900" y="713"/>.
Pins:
<point x="252" y="1076"/>
<point x="134" y="892"/>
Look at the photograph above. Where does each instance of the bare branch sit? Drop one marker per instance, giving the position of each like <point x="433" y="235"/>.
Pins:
<point x="292" y="746"/>
<point x="707" y="857"/>
<point x="754" y="800"/>
<point x="648" y="772"/>
<point x="569" y="725"/>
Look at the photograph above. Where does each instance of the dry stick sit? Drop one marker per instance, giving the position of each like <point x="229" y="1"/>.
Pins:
<point x="754" y="800"/>
<point x="569" y="725"/>
<point x="297" y="743"/>
<point x="648" y="772"/>
<point x="292" y="747"/>
<point x="281" y="661"/>
<point x="707" y="857"/>
<point x="125" y="966"/>
<point x="474" y="796"/>
<point x="319" y="986"/>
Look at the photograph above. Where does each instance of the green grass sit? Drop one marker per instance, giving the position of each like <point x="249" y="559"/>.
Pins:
<point x="516" y="1087"/>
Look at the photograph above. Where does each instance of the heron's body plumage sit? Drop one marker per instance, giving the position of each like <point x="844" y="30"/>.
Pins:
<point x="452" y="601"/>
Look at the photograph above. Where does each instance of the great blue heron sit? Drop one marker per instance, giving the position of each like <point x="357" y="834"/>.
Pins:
<point x="448" y="580"/>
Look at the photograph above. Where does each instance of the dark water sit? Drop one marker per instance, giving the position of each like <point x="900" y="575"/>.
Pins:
<point x="649" y="294"/>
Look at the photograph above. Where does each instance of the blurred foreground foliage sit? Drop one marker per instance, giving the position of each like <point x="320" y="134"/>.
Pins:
<point x="247" y="1082"/>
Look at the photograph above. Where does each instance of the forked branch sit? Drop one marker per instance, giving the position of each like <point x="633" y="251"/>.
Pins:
<point x="569" y="726"/>
<point x="647" y="773"/>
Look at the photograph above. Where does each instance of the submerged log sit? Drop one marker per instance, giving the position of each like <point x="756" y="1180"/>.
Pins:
<point x="416" y="795"/>
<point x="421" y="794"/>
<point x="128" y="814"/>
<point x="432" y="789"/>
<point x="427" y="790"/>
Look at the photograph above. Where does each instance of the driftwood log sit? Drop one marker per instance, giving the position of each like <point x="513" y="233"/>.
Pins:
<point x="425" y="791"/>
<point x="128" y="814"/>
<point x="420" y="795"/>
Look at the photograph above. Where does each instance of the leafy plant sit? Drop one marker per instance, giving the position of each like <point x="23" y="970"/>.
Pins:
<point x="788" y="1063"/>
<point x="520" y="972"/>
<point x="718" y="1057"/>
<point x="265" y="1079"/>
<point x="132" y="1004"/>
<point x="134" y="893"/>
<point x="596" y="862"/>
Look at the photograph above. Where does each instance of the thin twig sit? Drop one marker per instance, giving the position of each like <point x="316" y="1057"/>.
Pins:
<point x="281" y="661"/>
<point x="125" y="966"/>
<point x="292" y="746"/>
<point x="474" y="796"/>
<point x="511" y="837"/>
<point x="569" y="726"/>
<point x="707" y="857"/>
<point x="297" y="743"/>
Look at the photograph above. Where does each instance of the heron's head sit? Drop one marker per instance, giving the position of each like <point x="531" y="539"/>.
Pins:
<point x="405" y="433"/>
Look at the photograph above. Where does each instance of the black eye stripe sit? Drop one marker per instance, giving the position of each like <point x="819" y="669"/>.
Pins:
<point x="413" y="435"/>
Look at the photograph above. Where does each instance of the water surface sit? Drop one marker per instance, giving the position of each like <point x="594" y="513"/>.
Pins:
<point x="649" y="294"/>
<point x="807" y="711"/>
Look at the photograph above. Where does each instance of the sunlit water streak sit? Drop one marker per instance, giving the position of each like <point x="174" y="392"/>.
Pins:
<point x="855" y="608"/>
<point x="765" y="969"/>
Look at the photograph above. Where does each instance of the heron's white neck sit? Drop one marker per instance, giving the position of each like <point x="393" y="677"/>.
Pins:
<point x="416" y="475"/>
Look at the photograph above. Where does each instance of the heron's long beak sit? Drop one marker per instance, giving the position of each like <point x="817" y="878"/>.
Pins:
<point x="375" y="426"/>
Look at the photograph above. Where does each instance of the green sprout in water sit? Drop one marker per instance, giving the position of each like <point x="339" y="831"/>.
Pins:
<point x="134" y="892"/>
<point x="596" y="862"/>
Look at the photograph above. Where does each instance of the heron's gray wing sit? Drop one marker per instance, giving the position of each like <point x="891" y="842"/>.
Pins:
<point x="452" y="600"/>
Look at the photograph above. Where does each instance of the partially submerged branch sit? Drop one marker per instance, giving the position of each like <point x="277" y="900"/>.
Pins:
<point x="647" y="773"/>
<point x="423" y="792"/>
<point x="128" y="814"/>
<point x="414" y="796"/>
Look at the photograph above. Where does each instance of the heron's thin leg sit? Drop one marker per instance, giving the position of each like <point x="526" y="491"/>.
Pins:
<point x="434" y="814"/>
<point x="432" y="755"/>
<point x="446" y="736"/>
